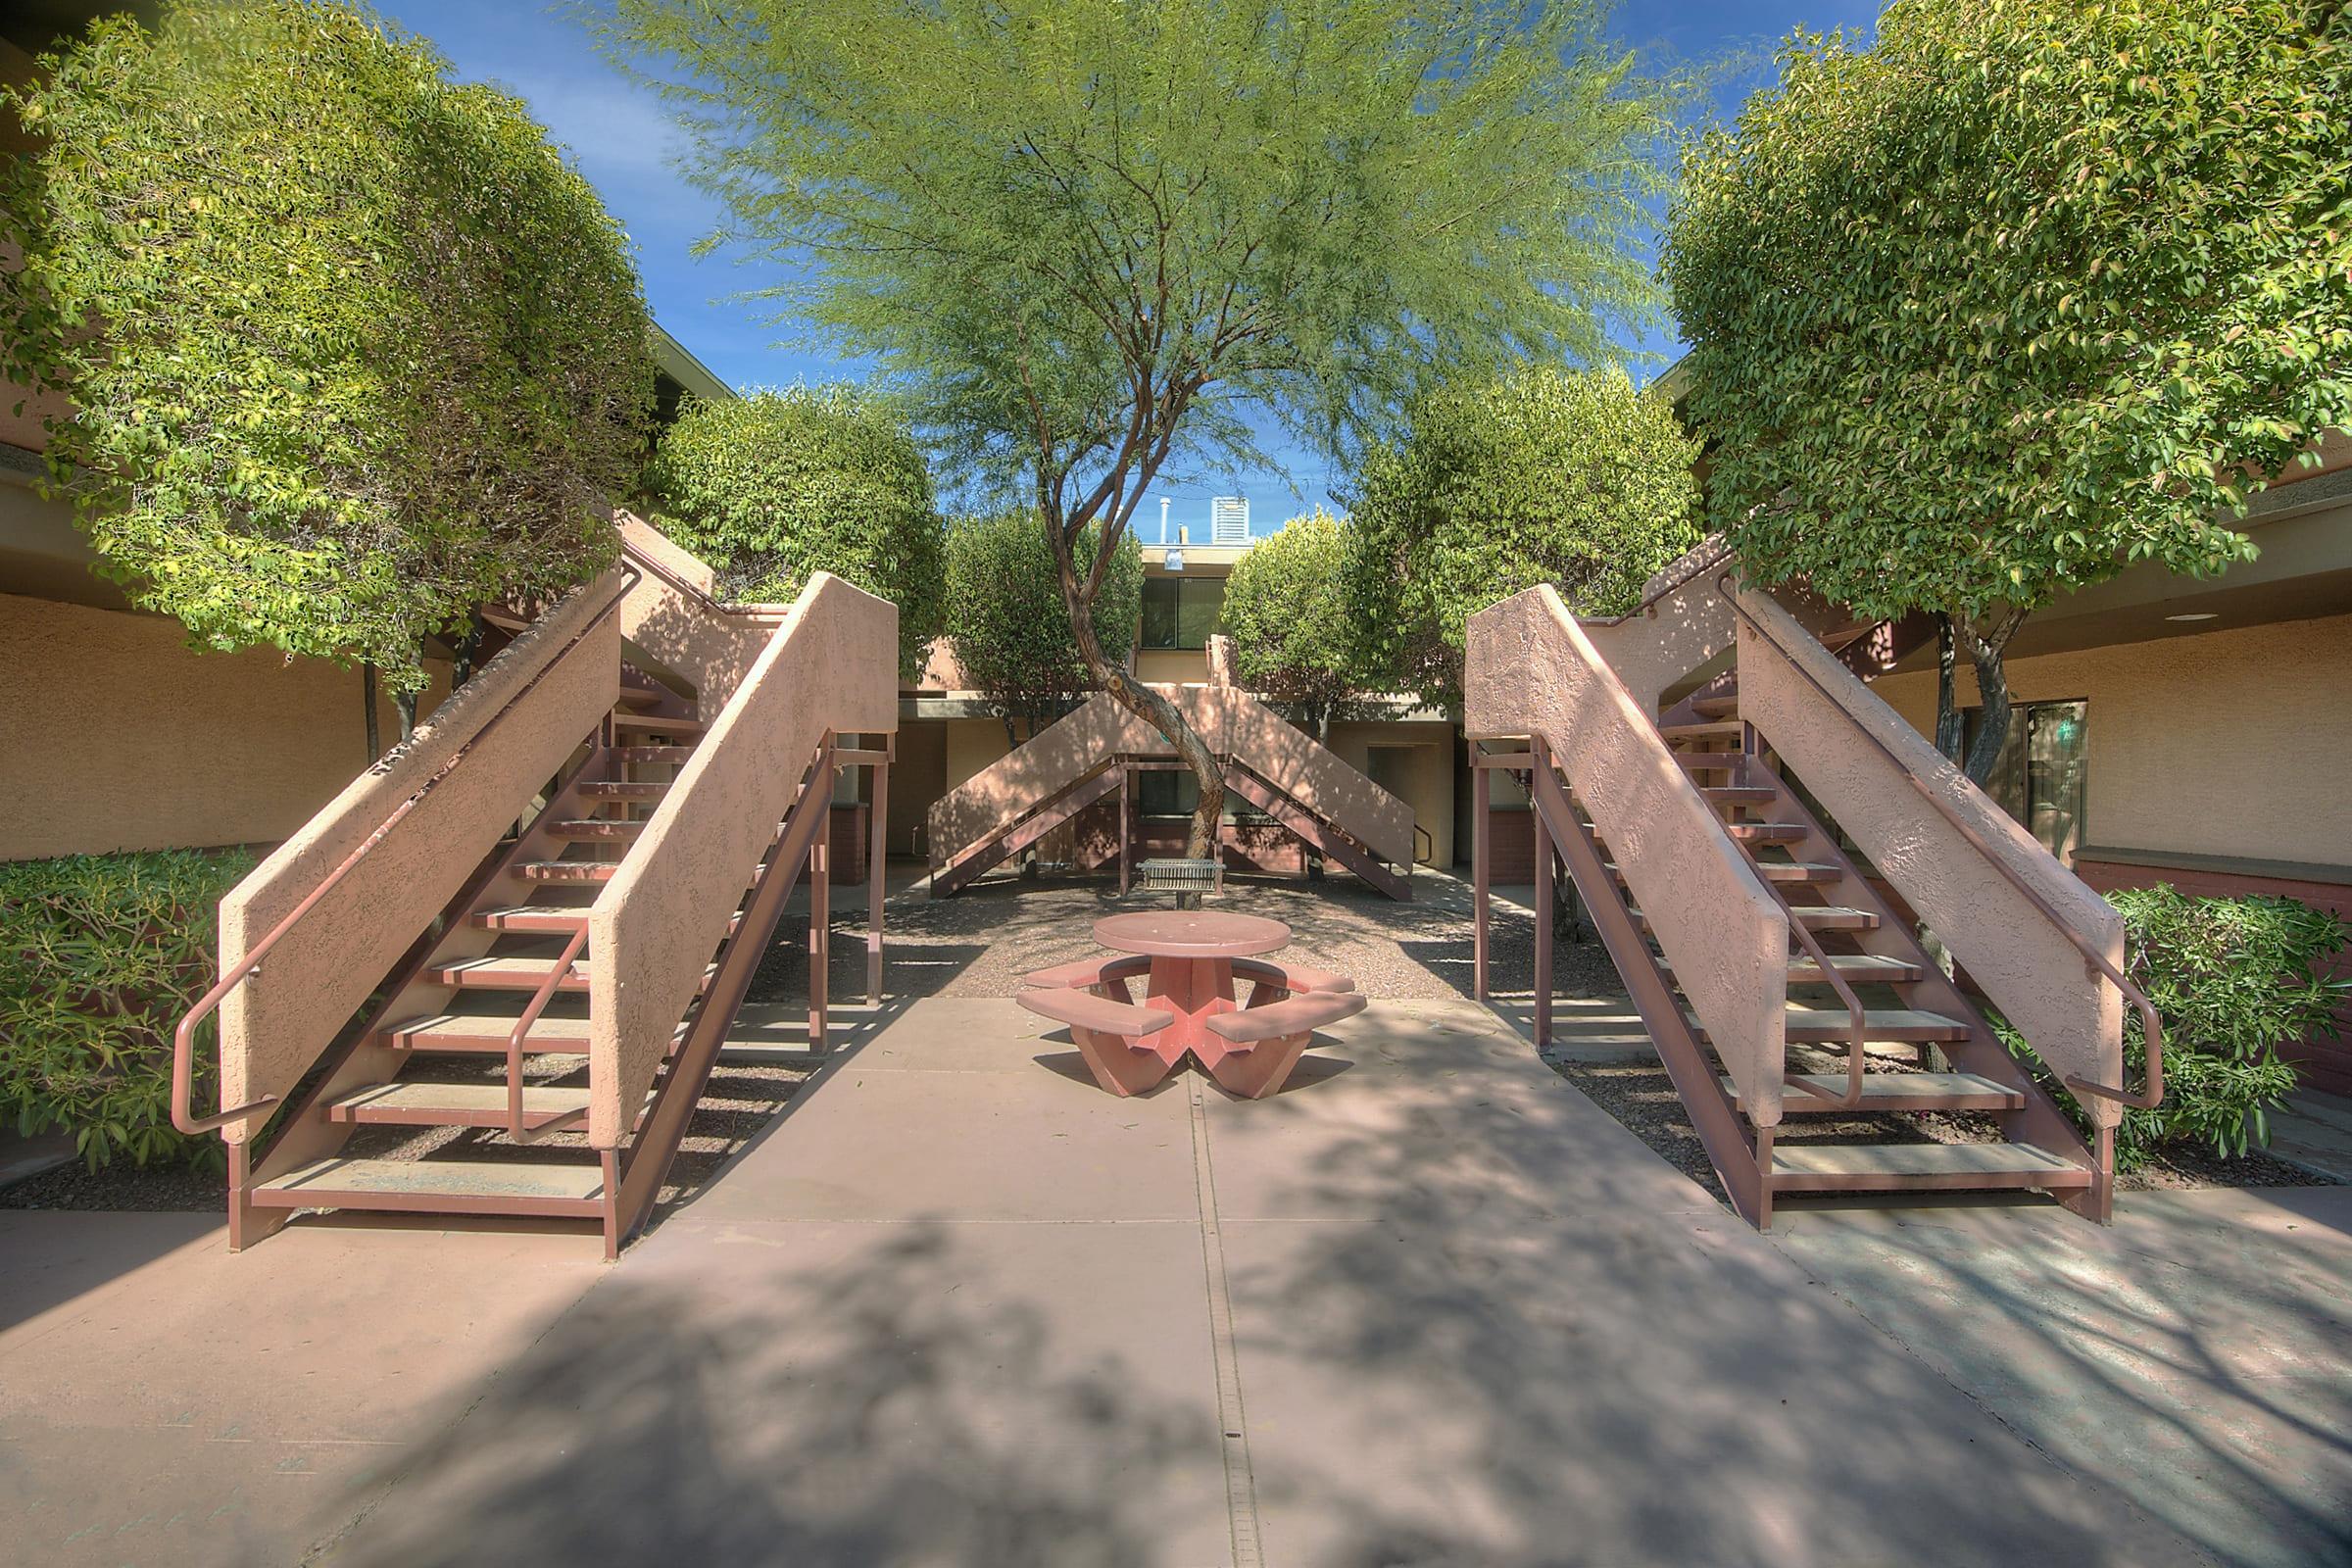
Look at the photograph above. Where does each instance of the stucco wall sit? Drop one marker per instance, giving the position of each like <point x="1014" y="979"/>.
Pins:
<point x="1172" y="666"/>
<point x="2229" y="743"/>
<point x="115" y="735"/>
<point x="1425" y="782"/>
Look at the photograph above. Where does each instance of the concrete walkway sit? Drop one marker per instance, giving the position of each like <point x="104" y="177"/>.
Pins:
<point x="956" y="1306"/>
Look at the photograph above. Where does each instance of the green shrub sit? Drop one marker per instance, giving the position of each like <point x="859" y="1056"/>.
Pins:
<point x="352" y="347"/>
<point x="773" y="487"/>
<point x="1009" y="626"/>
<point x="100" y="956"/>
<point x="2232" y="980"/>
<point x="1297" y="637"/>
<point x="1572" y="478"/>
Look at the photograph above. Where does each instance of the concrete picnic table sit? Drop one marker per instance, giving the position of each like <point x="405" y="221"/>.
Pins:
<point x="1193" y="957"/>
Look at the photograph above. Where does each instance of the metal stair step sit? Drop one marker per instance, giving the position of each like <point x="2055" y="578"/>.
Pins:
<point x="1712" y="729"/>
<point x="441" y="1187"/>
<point x="506" y="972"/>
<point x="1815" y="916"/>
<point x="1890" y="1024"/>
<point x="1882" y="1027"/>
<point x="658" y="723"/>
<point x="1722" y="706"/>
<point x="1712" y="762"/>
<point x="624" y="789"/>
<point x="1770" y="871"/>
<point x="1766" y="832"/>
<point x="408" y="1104"/>
<point x="568" y="870"/>
<point x="1798" y="1167"/>
<point x="1856" y="967"/>
<point x="545" y="919"/>
<point x="597" y="827"/>
<point x="1740" y="794"/>
<point x="485" y="1031"/>
<point x="1894" y="1090"/>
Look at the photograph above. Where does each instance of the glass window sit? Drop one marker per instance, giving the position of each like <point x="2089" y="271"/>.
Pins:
<point x="2039" y="777"/>
<point x="1182" y="611"/>
<point x="1167" y="792"/>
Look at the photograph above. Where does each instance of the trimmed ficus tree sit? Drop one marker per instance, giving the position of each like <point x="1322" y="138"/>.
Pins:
<point x="1569" y="478"/>
<point x="1092" y="238"/>
<point x="1295" y="636"/>
<point x="1008" y="628"/>
<point x="2028" y="292"/>
<point x="778" y="485"/>
<point x="350" y="349"/>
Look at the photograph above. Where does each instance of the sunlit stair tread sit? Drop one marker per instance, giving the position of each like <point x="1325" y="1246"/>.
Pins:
<point x="1716" y="706"/>
<point x="1770" y="871"/>
<point x="653" y="753"/>
<point x="507" y="972"/>
<point x="414" y="1103"/>
<point x="440" y="1186"/>
<point x="659" y="723"/>
<point x="473" y="1031"/>
<point x="542" y="919"/>
<point x="1766" y="832"/>
<point x="1828" y="1168"/>
<point x="1856" y="967"/>
<point x="1894" y="1090"/>
<point x="1740" y="794"/>
<point x="1712" y="762"/>
<point x="1814" y="916"/>
<point x="1889" y="1023"/>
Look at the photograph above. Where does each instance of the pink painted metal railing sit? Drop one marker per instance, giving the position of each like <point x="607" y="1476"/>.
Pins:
<point x="2151" y="1023"/>
<point x="183" y="1038"/>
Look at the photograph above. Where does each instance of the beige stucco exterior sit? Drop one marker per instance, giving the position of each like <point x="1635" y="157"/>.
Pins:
<point x="116" y="735"/>
<point x="2229" y="743"/>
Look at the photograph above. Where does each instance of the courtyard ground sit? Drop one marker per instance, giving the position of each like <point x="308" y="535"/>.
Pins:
<point x="954" y="1305"/>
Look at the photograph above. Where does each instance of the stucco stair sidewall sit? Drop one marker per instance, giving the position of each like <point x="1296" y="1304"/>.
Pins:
<point x="831" y="667"/>
<point x="686" y="638"/>
<point x="1531" y="672"/>
<point x="2070" y="1015"/>
<point x="275" y="1026"/>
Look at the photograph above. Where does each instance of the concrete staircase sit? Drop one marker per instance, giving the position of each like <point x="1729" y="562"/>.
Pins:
<point x="1776" y="978"/>
<point x="1095" y="752"/>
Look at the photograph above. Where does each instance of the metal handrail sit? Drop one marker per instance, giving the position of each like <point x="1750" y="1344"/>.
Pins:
<point x="714" y="604"/>
<point x="183" y="1039"/>
<point x="1709" y="552"/>
<point x="522" y="1028"/>
<point x="2151" y="1025"/>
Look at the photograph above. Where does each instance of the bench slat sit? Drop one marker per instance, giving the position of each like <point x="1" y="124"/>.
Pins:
<point x="1080" y="973"/>
<point x="1290" y="976"/>
<point x="1297" y="1016"/>
<point x="1083" y="1009"/>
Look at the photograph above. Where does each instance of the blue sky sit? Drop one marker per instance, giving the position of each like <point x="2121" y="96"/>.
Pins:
<point x="626" y="145"/>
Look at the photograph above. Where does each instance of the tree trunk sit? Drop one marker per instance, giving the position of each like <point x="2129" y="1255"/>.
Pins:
<point x="1314" y="856"/>
<point x="406" y="702"/>
<point x="462" y="669"/>
<point x="376" y="739"/>
<point x="1985" y="645"/>
<point x="1949" y="730"/>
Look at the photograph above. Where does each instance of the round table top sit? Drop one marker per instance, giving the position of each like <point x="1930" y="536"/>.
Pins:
<point x="1191" y="933"/>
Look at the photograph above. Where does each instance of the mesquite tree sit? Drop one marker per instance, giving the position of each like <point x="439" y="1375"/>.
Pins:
<point x="2029" y="291"/>
<point x="1091" y="239"/>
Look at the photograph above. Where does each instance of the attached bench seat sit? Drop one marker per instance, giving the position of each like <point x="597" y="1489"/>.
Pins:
<point x="1084" y="974"/>
<point x="1273" y="975"/>
<point x="1265" y="1043"/>
<point x="1109" y="1035"/>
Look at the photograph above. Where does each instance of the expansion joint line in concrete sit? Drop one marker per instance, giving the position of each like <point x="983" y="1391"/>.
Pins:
<point x="1241" y="1483"/>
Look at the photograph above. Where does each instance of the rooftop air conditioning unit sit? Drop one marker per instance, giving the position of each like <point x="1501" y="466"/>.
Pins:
<point x="1228" y="520"/>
